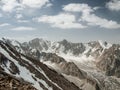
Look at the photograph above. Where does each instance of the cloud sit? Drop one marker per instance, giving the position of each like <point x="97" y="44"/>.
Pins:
<point x="96" y="8"/>
<point x="113" y="5"/>
<point x="49" y="5"/>
<point x="74" y="7"/>
<point x="1" y="15"/>
<point x="89" y="17"/>
<point x="19" y="16"/>
<point x="4" y="24"/>
<point x="23" y="21"/>
<point x="62" y="20"/>
<point x="9" y="5"/>
<point x="23" y="29"/>
<point x="94" y="20"/>
<point x="14" y="5"/>
<point x="35" y="3"/>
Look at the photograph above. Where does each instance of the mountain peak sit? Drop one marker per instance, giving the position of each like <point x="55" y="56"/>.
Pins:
<point x="64" y="41"/>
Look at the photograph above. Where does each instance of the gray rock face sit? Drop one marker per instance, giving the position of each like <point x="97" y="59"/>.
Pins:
<point x="71" y="69"/>
<point x="75" y="48"/>
<point x="109" y="61"/>
<point x="52" y="57"/>
<point x="96" y="49"/>
<point x="39" y="44"/>
<point x="68" y="68"/>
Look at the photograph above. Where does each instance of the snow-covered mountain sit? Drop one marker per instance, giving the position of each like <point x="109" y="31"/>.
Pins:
<point x="89" y="66"/>
<point x="62" y="47"/>
<point x="36" y="75"/>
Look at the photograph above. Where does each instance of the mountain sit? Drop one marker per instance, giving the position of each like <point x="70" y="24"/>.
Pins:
<point x="61" y="47"/>
<point x="65" y="65"/>
<point x="26" y="69"/>
<point x="109" y="61"/>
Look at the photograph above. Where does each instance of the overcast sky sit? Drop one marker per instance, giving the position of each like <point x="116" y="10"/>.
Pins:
<point x="74" y="20"/>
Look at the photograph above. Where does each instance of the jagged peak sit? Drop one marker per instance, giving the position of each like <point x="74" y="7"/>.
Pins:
<point x="38" y="40"/>
<point x="33" y="71"/>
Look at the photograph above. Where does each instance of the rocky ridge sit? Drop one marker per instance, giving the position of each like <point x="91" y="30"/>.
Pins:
<point x="31" y="70"/>
<point x="94" y="64"/>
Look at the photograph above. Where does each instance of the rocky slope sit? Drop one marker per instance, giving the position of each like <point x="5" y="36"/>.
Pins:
<point x="90" y="66"/>
<point x="8" y="82"/>
<point x="30" y="70"/>
<point x="109" y="61"/>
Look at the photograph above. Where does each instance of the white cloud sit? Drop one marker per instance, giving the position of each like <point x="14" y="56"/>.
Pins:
<point x="94" y="20"/>
<point x="63" y="21"/>
<point x="9" y="5"/>
<point x="49" y="5"/>
<point x="18" y="16"/>
<point x="97" y="7"/>
<point x="78" y="8"/>
<point x="23" y="29"/>
<point x="4" y="24"/>
<point x="22" y="21"/>
<point x="89" y="17"/>
<point x="16" y="5"/>
<point x="35" y="3"/>
<point x="113" y="5"/>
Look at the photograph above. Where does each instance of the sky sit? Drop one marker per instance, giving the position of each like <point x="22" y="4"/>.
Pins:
<point x="74" y="20"/>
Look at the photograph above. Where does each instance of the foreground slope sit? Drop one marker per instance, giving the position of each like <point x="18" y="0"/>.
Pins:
<point x="25" y="68"/>
<point x="8" y="82"/>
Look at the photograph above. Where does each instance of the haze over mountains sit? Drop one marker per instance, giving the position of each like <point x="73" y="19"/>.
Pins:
<point x="44" y="65"/>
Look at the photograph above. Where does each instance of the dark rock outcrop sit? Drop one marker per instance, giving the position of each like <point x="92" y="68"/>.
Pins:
<point x="8" y="82"/>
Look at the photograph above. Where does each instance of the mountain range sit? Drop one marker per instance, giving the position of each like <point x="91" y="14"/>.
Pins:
<point x="61" y="65"/>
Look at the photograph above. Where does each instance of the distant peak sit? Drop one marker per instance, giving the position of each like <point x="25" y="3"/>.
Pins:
<point x="64" y="40"/>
